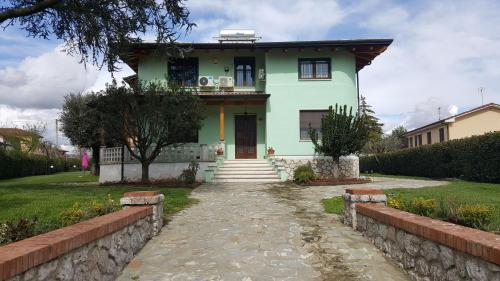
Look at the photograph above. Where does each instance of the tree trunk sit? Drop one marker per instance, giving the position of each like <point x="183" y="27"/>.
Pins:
<point x="95" y="158"/>
<point x="145" y="172"/>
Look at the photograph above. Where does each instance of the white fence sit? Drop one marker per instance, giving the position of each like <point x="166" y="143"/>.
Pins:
<point x="170" y="154"/>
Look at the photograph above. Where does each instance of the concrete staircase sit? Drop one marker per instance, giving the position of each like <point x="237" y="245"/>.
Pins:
<point x="243" y="170"/>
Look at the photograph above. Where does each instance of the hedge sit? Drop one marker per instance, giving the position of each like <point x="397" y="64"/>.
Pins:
<point x="474" y="158"/>
<point x="14" y="164"/>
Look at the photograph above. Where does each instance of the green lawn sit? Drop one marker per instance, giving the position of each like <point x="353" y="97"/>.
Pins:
<point x="46" y="196"/>
<point x="334" y="205"/>
<point x="461" y="191"/>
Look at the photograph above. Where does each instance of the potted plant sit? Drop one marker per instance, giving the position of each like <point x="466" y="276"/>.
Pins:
<point x="270" y="151"/>
<point x="220" y="151"/>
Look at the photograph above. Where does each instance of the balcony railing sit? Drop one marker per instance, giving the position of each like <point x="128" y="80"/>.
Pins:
<point x="171" y="154"/>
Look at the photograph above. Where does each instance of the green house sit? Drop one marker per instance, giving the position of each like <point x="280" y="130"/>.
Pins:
<point x="262" y="94"/>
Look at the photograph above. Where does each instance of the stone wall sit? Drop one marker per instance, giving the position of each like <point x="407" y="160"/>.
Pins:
<point x="353" y="196"/>
<point x="101" y="259"/>
<point x="430" y="249"/>
<point x="96" y="249"/>
<point x="324" y="167"/>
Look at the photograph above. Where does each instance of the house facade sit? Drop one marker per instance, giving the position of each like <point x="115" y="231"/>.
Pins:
<point x="19" y="139"/>
<point x="477" y="121"/>
<point x="262" y="94"/>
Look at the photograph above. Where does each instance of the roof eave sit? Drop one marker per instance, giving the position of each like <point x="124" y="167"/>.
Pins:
<point x="365" y="50"/>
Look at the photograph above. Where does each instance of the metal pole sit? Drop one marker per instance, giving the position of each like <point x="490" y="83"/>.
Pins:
<point x="481" y="92"/>
<point x="57" y="134"/>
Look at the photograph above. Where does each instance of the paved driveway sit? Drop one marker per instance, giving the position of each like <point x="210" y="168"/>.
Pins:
<point x="263" y="232"/>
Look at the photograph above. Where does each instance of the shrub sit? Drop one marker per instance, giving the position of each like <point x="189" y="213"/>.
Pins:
<point x="476" y="215"/>
<point x="15" y="164"/>
<point x="303" y="173"/>
<point x="12" y="231"/>
<point x="78" y="213"/>
<point x="189" y="175"/>
<point x="394" y="201"/>
<point x="72" y="215"/>
<point x="422" y="206"/>
<point x="96" y="208"/>
<point x="475" y="158"/>
<point x="448" y="209"/>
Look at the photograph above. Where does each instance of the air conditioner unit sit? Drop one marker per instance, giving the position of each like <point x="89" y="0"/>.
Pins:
<point x="226" y="82"/>
<point x="261" y="74"/>
<point x="206" y="81"/>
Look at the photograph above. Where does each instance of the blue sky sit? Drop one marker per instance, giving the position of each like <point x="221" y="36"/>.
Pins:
<point x="442" y="53"/>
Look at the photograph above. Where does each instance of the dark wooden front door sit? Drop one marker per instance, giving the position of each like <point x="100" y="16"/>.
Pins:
<point x="246" y="136"/>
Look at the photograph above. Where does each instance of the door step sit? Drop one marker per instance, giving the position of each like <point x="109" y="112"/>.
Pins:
<point x="248" y="180"/>
<point x="246" y="170"/>
<point x="229" y="173"/>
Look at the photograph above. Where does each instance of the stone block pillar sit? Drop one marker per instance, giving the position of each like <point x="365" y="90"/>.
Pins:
<point x="349" y="167"/>
<point x="354" y="196"/>
<point x="146" y="198"/>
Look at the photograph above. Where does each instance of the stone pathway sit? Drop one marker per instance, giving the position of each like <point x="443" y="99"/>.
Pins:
<point x="254" y="232"/>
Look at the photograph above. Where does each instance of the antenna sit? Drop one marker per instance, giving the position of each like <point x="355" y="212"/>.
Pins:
<point x="439" y="112"/>
<point x="481" y="92"/>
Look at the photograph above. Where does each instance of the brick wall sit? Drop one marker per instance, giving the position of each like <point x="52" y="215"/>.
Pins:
<point x="431" y="249"/>
<point x="96" y="249"/>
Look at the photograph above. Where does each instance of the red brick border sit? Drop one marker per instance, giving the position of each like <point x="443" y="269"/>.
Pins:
<point x="18" y="257"/>
<point x="472" y="241"/>
<point x="141" y="193"/>
<point x="364" y="191"/>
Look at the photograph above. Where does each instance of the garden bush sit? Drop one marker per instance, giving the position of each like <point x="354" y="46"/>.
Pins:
<point x="303" y="173"/>
<point x="15" y="164"/>
<point x="475" y="158"/>
<point x="72" y="215"/>
<point x="12" y="231"/>
<point x="449" y="209"/>
<point x="422" y="206"/>
<point x="78" y="212"/>
<point x="189" y="175"/>
<point x="394" y="201"/>
<point x="476" y="215"/>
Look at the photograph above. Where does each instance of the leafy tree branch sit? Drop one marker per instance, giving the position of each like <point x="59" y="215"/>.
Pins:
<point x="98" y="31"/>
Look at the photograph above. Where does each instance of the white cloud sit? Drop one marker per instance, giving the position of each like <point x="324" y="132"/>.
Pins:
<point x="442" y="53"/>
<point x="105" y="77"/>
<point x="273" y="20"/>
<point x="33" y="92"/>
<point x="19" y="117"/>
<point x="43" y="81"/>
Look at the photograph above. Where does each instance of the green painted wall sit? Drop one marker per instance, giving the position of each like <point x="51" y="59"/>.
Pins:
<point x="212" y="63"/>
<point x="289" y="95"/>
<point x="209" y="132"/>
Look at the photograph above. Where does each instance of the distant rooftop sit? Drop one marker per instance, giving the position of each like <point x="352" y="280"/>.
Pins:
<point x="7" y="132"/>
<point x="449" y="119"/>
